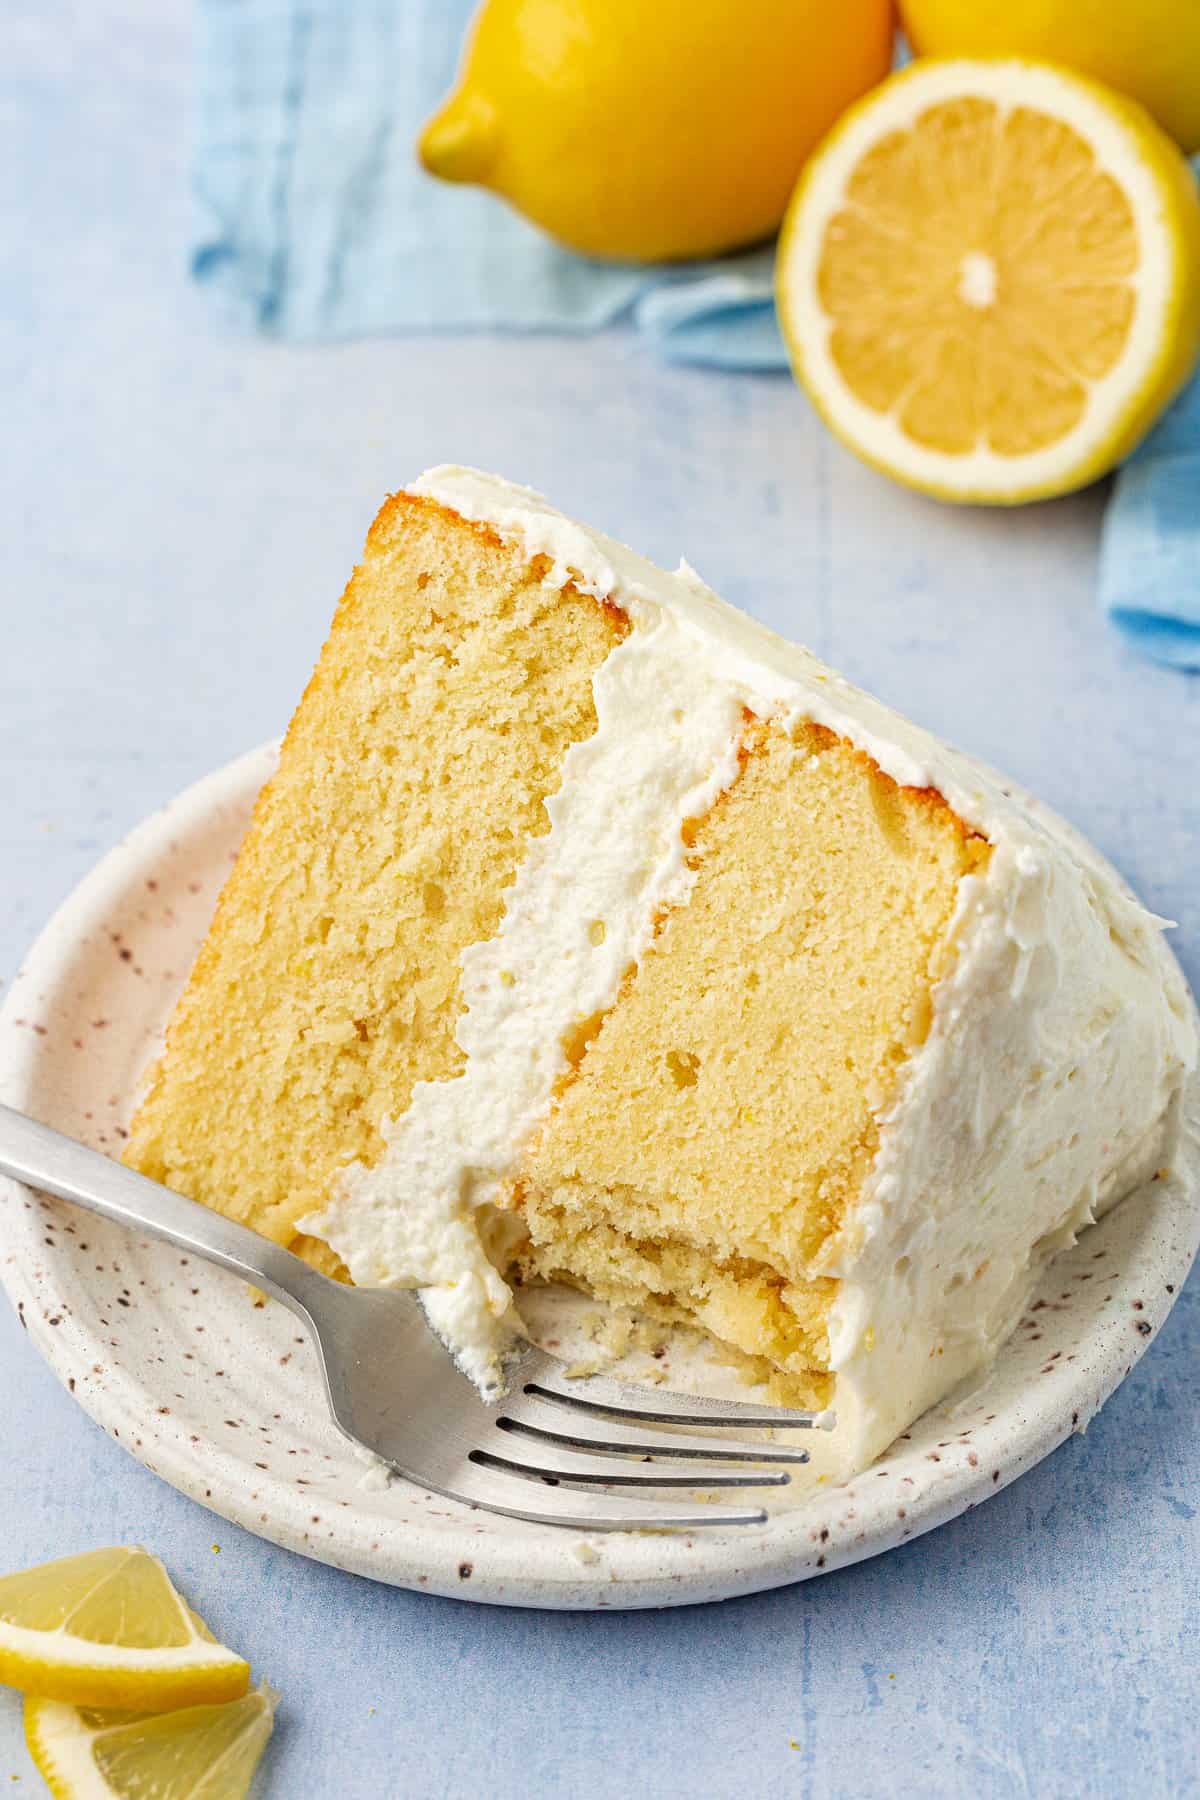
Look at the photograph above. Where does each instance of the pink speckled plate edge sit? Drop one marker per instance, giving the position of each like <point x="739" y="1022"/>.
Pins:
<point x="222" y="1398"/>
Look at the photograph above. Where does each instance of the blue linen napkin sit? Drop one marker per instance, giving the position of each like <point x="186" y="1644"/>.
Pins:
<point x="317" y="223"/>
<point x="1150" y="543"/>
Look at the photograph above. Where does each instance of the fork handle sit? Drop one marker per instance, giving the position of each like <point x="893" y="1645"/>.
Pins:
<point x="46" y="1159"/>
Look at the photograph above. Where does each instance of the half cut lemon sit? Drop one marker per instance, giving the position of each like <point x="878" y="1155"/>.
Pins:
<point x="989" y="278"/>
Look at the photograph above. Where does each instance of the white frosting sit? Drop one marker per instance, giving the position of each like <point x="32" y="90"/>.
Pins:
<point x="1043" y="1092"/>
<point x="581" y="909"/>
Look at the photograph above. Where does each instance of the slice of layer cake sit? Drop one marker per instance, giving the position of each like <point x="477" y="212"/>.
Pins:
<point x="589" y="931"/>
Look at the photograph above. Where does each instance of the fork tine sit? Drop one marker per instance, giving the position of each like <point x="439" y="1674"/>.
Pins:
<point x="619" y="1439"/>
<point x="541" y="1504"/>
<point x="594" y="1394"/>
<point x="436" y="1429"/>
<point x="568" y="1468"/>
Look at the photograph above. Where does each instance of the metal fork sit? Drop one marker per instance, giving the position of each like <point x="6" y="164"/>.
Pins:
<point x="590" y="1453"/>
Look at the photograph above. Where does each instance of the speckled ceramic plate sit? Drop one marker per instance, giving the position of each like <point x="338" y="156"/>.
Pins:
<point x="222" y="1398"/>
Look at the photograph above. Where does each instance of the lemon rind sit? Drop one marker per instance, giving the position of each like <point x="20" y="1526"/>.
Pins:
<point x="56" y="1666"/>
<point x="62" y="1757"/>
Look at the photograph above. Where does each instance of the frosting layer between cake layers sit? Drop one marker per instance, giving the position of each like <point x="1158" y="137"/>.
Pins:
<point x="1044" y="1090"/>
<point x="582" y="907"/>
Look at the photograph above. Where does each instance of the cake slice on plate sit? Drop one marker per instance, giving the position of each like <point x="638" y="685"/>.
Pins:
<point x="590" y="931"/>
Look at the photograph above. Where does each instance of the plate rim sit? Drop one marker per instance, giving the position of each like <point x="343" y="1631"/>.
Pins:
<point x="682" y="1569"/>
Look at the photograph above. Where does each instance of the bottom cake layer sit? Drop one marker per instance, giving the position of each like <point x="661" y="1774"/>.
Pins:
<point x="776" y="1329"/>
<point x="706" y="1151"/>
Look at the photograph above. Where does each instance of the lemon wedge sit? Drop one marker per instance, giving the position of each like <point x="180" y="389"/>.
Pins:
<point x="199" y="1753"/>
<point x="989" y="278"/>
<point x="108" y="1629"/>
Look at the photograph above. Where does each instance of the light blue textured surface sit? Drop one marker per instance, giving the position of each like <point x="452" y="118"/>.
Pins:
<point x="180" y="510"/>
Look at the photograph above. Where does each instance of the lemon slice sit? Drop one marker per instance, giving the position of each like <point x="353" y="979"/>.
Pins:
<point x="989" y="278"/>
<point x="108" y="1629"/>
<point x="199" y="1753"/>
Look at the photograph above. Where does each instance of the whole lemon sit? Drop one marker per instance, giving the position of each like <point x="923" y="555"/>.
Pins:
<point x="652" y="131"/>
<point x="1149" y="49"/>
